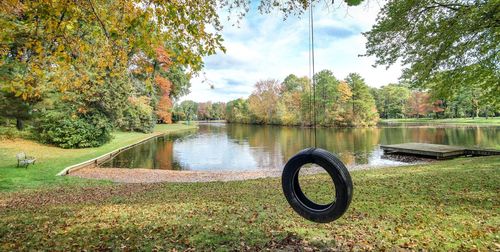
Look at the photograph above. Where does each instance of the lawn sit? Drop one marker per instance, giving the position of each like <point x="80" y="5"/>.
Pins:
<point x="51" y="160"/>
<point x="447" y="205"/>
<point x="480" y="120"/>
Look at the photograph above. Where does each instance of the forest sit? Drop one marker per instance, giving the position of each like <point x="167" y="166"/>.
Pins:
<point x="348" y="102"/>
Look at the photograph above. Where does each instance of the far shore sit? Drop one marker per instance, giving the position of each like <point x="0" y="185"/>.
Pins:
<point x="479" y="120"/>
<point x="493" y="121"/>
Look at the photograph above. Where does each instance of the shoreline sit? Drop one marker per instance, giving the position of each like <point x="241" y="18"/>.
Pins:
<point x="145" y="175"/>
<point x="95" y="162"/>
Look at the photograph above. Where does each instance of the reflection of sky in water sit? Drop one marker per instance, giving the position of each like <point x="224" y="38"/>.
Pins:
<point x="213" y="152"/>
<point x="234" y="147"/>
<point x="216" y="152"/>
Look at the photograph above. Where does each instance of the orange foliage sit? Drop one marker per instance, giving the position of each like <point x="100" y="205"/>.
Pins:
<point x="163" y="58"/>
<point x="419" y="104"/>
<point x="438" y="106"/>
<point x="163" y="110"/>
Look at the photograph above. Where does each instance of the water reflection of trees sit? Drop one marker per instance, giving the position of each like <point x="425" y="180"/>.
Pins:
<point x="164" y="157"/>
<point x="352" y="145"/>
<point x="274" y="145"/>
<point x="156" y="153"/>
<point x="458" y="135"/>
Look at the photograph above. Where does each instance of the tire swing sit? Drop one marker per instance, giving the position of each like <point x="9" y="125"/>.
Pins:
<point x="298" y="200"/>
<point x="321" y="213"/>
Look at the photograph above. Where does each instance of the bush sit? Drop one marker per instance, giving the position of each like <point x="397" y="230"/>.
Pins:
<point x="57" y="128"/>
<point x="9" y="132"/>
<point x="138" y="116"/>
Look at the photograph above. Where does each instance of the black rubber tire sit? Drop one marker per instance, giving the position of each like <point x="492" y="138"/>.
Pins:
<point x="340" y="177"/>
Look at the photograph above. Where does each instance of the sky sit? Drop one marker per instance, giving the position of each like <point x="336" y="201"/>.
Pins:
<point x="264" y="46"/>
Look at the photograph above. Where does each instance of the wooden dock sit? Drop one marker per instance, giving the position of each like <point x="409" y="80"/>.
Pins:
<point x="438" y="151"/>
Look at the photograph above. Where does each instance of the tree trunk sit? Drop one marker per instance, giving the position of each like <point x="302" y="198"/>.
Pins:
<point x="19" y="124"/>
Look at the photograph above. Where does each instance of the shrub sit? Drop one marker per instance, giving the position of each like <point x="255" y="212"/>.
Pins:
<point x="9" y="132"/>
<point x="57" y="128"/>
<point x="138" y="116"/>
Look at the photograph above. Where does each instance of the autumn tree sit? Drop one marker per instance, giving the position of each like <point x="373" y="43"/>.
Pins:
<point x="164" y="107"/>
<point x="263" y="101"/>
<point x="419" y="104"/>
<point x="289" y="103"/>
<point x="294" y="103"/>
<point x="343" y="107"/>
<point x="86" y="56"/>
<point x="204" y="110"/>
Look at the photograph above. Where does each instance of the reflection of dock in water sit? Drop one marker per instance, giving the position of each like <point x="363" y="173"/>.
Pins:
<point x="438" y="151"/>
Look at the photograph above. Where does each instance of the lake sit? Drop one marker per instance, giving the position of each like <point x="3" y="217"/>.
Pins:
<point x="240" y="147"/>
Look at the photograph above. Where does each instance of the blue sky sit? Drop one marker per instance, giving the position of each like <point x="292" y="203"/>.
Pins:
<point x="264" y="46"/>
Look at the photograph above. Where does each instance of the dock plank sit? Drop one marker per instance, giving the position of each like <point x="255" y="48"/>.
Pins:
<point x="425" y="149"/>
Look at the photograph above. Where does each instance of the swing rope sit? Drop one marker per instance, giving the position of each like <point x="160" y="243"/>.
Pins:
<point x="328" y="161"/>
<point x="311" y="69"/>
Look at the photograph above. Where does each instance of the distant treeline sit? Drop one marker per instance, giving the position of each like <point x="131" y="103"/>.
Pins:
<point x="345" y="102"/>
<point x="400" y="101"/>
<point x="190" y="110"/>
<point x="339" y="103"/>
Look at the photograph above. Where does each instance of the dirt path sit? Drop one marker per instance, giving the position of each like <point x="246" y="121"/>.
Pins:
<point x="140" y="175"/>
<point x="153" y="176"/>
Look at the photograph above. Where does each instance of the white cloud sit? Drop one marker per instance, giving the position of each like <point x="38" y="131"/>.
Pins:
<point x="266" y="47"/>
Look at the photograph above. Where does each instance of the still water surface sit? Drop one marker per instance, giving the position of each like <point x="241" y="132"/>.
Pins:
<point x="239" y="147"/>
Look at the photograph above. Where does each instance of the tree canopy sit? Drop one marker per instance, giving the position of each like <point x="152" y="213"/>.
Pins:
<point x="444" y="44"/>
<point x="101" y="64"/>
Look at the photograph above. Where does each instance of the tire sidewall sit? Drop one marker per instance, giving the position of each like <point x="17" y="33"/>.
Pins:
<point x="337" y="171"/>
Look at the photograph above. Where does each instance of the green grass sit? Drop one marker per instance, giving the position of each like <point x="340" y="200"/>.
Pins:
<point x="480" y="120"/>
<point x="448" y="205"/>
<point x="51" y="160"/>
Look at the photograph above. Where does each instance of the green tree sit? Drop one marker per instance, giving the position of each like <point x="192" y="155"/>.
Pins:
<point x="391" y="100"/>
<point x="237" y="111"/>
<point x="180" y="81"/>
<point x="13" y="107"/>
<point x="363" y="105"/>
<point x="444" y="43"/>
<point x="293" y="83"/>
<point x="326" y="93"/>
<point x="218" y="111"/>
<point x="466" y="101"/>
<point x="189" y="110"/>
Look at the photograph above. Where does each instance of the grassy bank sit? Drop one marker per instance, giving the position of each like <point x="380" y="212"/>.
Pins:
<point x="480" y="120"/>
<point x="51" y="160"/>
<point x="449" y="205"/>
